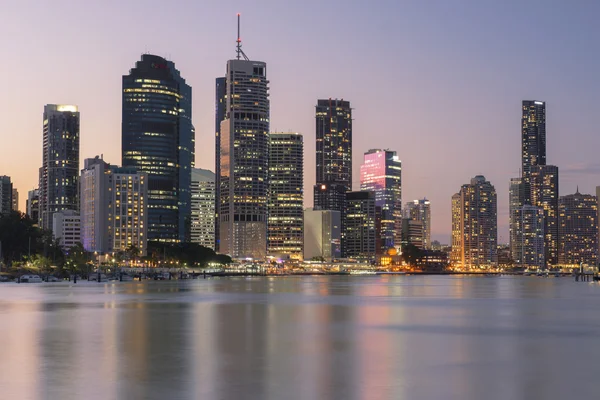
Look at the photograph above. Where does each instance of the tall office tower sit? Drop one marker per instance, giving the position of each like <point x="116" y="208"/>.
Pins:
<point x="359" y="226"/>
<point x="243" y="154"/>
<point x="322" y="234"/>
<point x="158" y="139"/>
<point x="420" y="210"/>
<point x="59" y="174"/>
<point x="528" y="237"/>
<point x="15" y="199"/>
<point x="533" y="142"/>
<point x="514" y="202"/>
<point x="381" y="173"/>
<point x="598" y="216"/>
<point x="114" y="207"/>
<point x="203" y="207"/>
<point x="474" y="224"/>
<point x="285" y="235"/>
<point x="412" y="232"/>
<point x="220" y="113"/>
<point x="334" y="154"/>
<point x="6" y="191"/>
<point x="457" y="233"/>
<point x="32" y="205"/>
<point x="66" y="228"/>
<point x="578" y="230"/>
<point x="544" y="194"/>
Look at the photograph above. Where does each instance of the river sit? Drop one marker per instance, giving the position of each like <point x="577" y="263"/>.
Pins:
<point x="336" y="337"/>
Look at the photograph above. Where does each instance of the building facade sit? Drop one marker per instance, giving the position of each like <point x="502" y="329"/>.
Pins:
<point x="114" y="208"/>
<point x="32" y="205"/>
<point x="528" y="240"/>
<point x="158" y="139"/>
<point x="203" y="207"/>
<point x="533" y="143"/>
<point x="359" y="226"/>
<point x="220" y="113"/>
<point x="15" y="199"/>
<point x="578" y="230"/>
<point x="474" y="225"/>
<point x="420" y="210"/>
<point x="6" y="192"/>
<point x="322" y="234"/>
<point x="285" y="235"/>
<point x="381" y="173"/>
<point x="66" y="228"/>
<point x="515" y="192"/>
<point x="544" y="194"/>
<point x="333" y="119"/>
<point x="59" y="174"/>
<point x="412" y="232"/>
<point x="243" y="168"/>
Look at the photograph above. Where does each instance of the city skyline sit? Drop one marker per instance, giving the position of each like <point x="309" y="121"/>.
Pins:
<point x="398" y="123"/>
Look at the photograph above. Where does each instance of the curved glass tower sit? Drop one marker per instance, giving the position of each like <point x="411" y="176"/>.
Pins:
<point x="158" y="138"/>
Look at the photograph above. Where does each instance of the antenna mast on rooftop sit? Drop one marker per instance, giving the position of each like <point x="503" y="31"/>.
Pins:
<point x="240" y="52"/>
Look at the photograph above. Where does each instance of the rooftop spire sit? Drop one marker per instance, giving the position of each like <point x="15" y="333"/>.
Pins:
<point x="240" y="52"/>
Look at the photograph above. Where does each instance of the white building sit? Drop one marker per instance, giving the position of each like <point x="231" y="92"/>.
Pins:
<point x="66" y="228"/>
<point x="203" y="207"/>
<point x="113" y="208"/>
<point x="322" y="234"/>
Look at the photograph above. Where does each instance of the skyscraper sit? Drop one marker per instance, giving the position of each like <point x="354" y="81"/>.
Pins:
<point x="420" y="210"/>
<point x="544" y="194"/>
<point x="533" y="142"/>
<point x="578" y="230"/>
<point x="158" y="139"/>
<point x="203" y="207"/>
<point x="322" y="234"/>
<point x="515" y="193"/>
<point x="6" y="192"/>
<point x="32" y="205"/>
<point x="359" y="226"/>
<point x="243" y="159"/>
<point x="59" y="174"/>
<point x="412" y="232"/>
<point x="334" y="154"/>
<point x="220" y="113"/>
<point x="114" y="207"/>
<point x="528" y="237"/>
<point x="15" y="199"/>
<point x="474" y="224"/>
<point x="286" y="195"/>
<point x="381" y="173"/>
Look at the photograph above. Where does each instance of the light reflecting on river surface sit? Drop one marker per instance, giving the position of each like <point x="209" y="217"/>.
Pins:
<point x="364" y="338"/>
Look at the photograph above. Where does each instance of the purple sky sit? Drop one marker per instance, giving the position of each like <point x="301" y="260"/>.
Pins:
<point x="440" y="82"/>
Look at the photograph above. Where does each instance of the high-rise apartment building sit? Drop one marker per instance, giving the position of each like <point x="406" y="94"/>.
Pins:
<point x="15" y="199"/>
<point x="66" y="228"/>
<point x="285" y="235"/>
<point x="220" y="113"/>
<point x="420" y="210"/>
<point x="243" y="160"/>
<point x="322" y="234"/>
<point x="334" y="154"/>
<point x="32" y="205"/>
<point x="381" y="173"/>
<point x="515" y="193"/>
<point x="59" y="174"/>
<point x="474" y="225"/>
<point x="203" y="207"/>
<point x="359" y="226"/>
<point x="158" y="139"/>
<point x="544" y="194"/>
<point x="533" y="142"/>
<point x="114" y="208"/>
<point x="578" y="230"/>
<point x="528" y="237"/>
<point x="6" y="192"/>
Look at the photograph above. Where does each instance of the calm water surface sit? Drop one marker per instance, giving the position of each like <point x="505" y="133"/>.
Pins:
<point x="380" y="337"/>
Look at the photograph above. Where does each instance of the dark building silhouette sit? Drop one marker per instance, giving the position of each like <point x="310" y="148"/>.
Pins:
<point x="158" y="138"/>
<point x="533" y="143"/>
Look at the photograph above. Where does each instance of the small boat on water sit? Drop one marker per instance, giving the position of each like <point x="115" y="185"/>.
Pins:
<point x="30" y="279"/>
